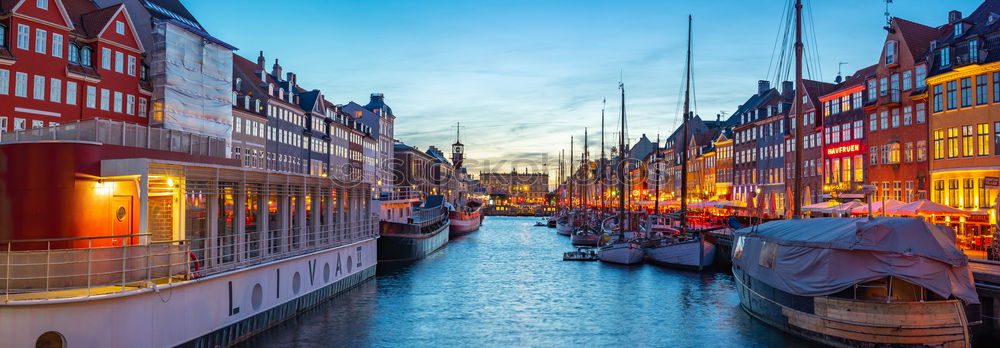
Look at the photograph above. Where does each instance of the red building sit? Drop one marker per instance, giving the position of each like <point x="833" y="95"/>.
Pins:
<point x="812" y="144"/>
<point x="897" y="121"/>
<point x="842" y="139"/>
<point x="67" y="60"/>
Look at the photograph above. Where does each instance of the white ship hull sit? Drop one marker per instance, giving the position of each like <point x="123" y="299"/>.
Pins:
<point x="622" y="253"/>
<point x="564" y="229"/>
<point x="213" y="311"/>
<point x="683" y="255"/>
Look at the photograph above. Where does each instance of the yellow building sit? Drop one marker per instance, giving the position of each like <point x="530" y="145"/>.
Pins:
<point x="964" y="83"/>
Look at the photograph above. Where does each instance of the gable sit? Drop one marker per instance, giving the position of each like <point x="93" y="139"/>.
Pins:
<point x="55" y="14"/>
<point x="127" y="37"/>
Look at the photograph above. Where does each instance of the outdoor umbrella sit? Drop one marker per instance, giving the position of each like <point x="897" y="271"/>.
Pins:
<point x="732" y="205"/>
<point x="925" y="207"/>
<point x="818" y="207"/>
<point x="877" y="207"/>
<point x="845" y="208"/>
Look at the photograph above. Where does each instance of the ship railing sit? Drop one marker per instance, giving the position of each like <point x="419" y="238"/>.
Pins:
<point x="392" y="193"/>
<point x="45" y="269"/>
<point x="120" y="133"/>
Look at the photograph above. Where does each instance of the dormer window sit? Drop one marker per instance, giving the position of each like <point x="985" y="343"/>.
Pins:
<point x="256" y="104"/>
<point x="958" y="29"/>
<point x="246" y="102"/>
<point x="890" y="53"/>
<point x="85" y="56"/>
<point x="233" y="98"/>
<point x="944" y="56"/>
<point x="281" y="93"/>
<point x="143" y="72"/>
<point x="973" y="51"/>
<point x="74" y="54"/>
<point x="237" y="84"/>
<point x="270" y="89"/>
<point x="3" y="36"/>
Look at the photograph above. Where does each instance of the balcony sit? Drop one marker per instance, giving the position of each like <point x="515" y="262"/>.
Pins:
<point x="119" y="133"/>
<point x="890" y="97"/>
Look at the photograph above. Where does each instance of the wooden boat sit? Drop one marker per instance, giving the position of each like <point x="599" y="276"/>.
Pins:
<point x="586" y="237"/>
<point x="465" y="219"/>
<point x="693" y="253"/>
<point x="566" y="225"/>
<point x="855" y="282"/>
<point x="625" y="253"/>
<point x="581" y="254"/>
<point x="622" y="251"/>
<point x="418" y="237"/>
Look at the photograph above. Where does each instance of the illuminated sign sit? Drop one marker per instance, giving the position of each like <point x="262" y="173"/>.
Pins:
<point x="843" y="149"/>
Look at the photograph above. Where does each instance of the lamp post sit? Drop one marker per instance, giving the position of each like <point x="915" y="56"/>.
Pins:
<point x="868" y="190"/>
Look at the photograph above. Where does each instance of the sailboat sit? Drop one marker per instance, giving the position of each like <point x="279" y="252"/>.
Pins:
<point x="566" y="224"/>
<point x="622" y="251"/>
<point x="684" y="249"/>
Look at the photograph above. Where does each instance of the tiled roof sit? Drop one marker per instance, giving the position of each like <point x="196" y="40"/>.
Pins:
<point x="980" y="26"/>
<point x="918" y="37"/>
<point x="82" y="70"/>
<point x="92" y="22"/>
<point x="171" y="9"/>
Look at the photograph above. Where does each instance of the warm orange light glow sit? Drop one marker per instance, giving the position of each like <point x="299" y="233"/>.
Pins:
<point x="843" y="149"/>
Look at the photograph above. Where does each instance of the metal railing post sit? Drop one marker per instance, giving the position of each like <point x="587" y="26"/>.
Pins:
<point x="149" y="264"/>
<point x="48" y="262"/>
<point x="7" y="281"/>
<point x="123" y="265"/>
<point x="90" y="270"/>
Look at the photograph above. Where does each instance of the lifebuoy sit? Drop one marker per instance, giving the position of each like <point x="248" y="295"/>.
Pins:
<point x="195" y="265"/>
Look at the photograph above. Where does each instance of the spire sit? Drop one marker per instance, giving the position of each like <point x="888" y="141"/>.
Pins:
<point x="276" y="69"/>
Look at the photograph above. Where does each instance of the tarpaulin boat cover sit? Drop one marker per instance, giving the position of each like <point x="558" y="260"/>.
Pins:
<point x="822" y="256"/>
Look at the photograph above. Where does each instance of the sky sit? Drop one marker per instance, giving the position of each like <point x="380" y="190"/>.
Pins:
<point x="522" y="77"/>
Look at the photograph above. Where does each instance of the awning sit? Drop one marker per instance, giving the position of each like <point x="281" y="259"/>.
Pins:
<point x="819" y="207"/>
<point x="925" y="207"/>
<point x="877" y="206"/>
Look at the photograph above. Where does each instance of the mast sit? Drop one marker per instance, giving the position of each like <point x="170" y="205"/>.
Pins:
<point x="571" y="172"/>
<point x="684" y="133"/>
<point x="656" y="156"/>
<point x="586" y="170"/>
<point x="603" y="162"/>
<point x="799" y="89"/>
<point x="562" y="173"/>
<point x="621" y="171"/>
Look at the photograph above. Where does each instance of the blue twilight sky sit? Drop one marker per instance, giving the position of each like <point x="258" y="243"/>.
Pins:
<point x="523" y="76"/>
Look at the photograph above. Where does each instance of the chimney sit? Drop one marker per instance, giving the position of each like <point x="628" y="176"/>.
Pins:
<point x="954" y="16"/>
<point x="718" y="117"/>
<point x="276" y="69"/>
<point x="763" y="86"/>
<point x="787" y="87"/>
<point x="291" y="79"/>
<point x="377" y="97"/>
<point x="260" y="60"/>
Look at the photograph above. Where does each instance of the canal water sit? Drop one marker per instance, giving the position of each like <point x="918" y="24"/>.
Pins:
<point x="506" y="285"/>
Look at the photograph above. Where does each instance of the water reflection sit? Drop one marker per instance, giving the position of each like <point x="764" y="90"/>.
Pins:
<point x="506" y="285"/>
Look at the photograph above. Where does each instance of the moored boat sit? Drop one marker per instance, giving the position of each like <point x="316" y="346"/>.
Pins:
<point x="690" y="253"/>
<point x="565" y="225"/>
<point x="420" y="236"/>
<point x="465" y="219"/>
<point x="625" y="253"/>
<point x="858" y="282"/>
<point x="586" y="237"/>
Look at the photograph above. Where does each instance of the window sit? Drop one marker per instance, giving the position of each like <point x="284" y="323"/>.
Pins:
<point x="42" y="4"/>
<point x="921" y="150"/>
<point x="3" y="40"/>
<point x="859" y="168"/>
<point x="857" y="100"/>
<point x="38" y="88"/>
<point x="3" y="124"/>
<point x="835" y="134"/>
<point x="106" y="58"/>
<point x="845" y="103"/>
<point x="119" y="61"/>
<point x="91" y="97"/>
<point x="131" y="65"/>
<point x="105" y="99"/>
<point x="996" y="87"/>
<point x="142" y="107"/>
<point x="920" y="77"/>
<point x="872" y="123"/>
<point x="966" y="92"/>
<point x="883" y="86"/>
<point x="895" y="118"/>
<point x="938" y="191"/>
<point x="968" y="147"/>
<point x="873" y="155"/>
<point x="907" y="115"/>
<point x="4" y="82"/>
<point x="23" y="35"/>
<point x="938" y="144"/>
<point x="70" y="92"/>
<point x="859" y="129"/>
<point x="981" y="89"/>
<point x="835" y="170"/>
<point x="952" y="86"/>
<point x="968" y="186"/>
<point x="55" y="90"/>
<point x="894" y="88"/>
<point x="74" y="54"/>
<point x="20" y="124"/>
<point x="890" y="53"/>
<point x="118" y="102"/>
<point x="37" y="124"/>
<point x="884" y="117"/>
<point x="953" y="142"/>
<point x="845" y="133"/>
<point x="894" y="152"/>
<point x="57" y="45"/>
<point x="944" y="56"/>
<point x="921" y="113"/>
<point x="996" y="138"/>
<point x="983" y="139"/>
<point x="871" y="90"/>
<point x="908" y="152"/>
<point x="938" y="104"/>
<point x="130" y="105"/>
<point x="85" y="57"/>
<point x="907" y="80"/>
<point x="120" y="27"/>
<point x="40" y="38"/>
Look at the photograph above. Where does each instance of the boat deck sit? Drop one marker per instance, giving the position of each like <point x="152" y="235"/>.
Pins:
<point x="85" y="292"/>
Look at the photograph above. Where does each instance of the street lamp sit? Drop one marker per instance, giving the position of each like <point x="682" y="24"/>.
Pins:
<point x="868" y="190"/>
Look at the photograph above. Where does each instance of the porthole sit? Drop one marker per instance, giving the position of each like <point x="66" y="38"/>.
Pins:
<point x="120" y="214"/>
<point x="257" y="297"/>
<point x="296" y="283"/>
<point x="326" y="272"/>
<point x="50" y="339"/>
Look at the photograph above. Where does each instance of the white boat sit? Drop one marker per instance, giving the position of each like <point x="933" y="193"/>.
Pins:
<point x="694" y="253"/>
<point x="564" y="226"/>
<point x="627" y="253"/>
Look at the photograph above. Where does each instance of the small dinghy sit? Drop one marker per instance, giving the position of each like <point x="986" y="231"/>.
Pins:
<point x="581" y="254"/>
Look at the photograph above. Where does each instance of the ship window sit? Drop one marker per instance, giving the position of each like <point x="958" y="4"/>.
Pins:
<point x="904" y="291"/>
<point x="738" y="250"/>
<point x="768" y="251"/>
<point x="51" y="339"/>
<point x="875" y="290"/>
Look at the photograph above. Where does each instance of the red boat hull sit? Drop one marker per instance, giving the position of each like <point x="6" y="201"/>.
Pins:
<point x="464" y="223"/>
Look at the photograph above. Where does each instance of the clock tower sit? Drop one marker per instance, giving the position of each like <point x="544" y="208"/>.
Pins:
<point x="457" y="149"/>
